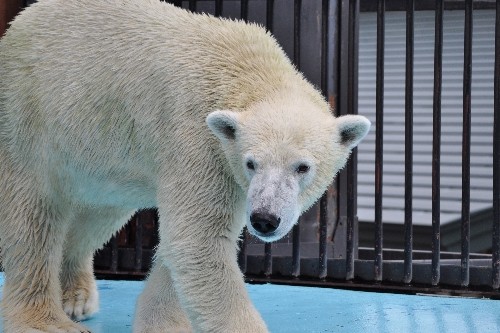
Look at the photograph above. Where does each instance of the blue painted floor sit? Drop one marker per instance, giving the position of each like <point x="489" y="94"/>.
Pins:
<point x="288" y="309"/>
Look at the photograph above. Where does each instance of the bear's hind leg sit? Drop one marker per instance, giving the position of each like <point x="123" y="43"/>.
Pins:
<point x="158" y="309"/>
<point x="89" y="230"/>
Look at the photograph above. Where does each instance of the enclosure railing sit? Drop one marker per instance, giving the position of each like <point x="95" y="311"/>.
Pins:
<point x="335" y="259"/>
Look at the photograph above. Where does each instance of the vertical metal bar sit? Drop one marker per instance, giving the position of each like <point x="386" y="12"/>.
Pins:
<point x="323" y="204"/>
<point x="192" y="5"/>
<point x="244" y="10"/>
<point x="323" y="220"/>
<point x="324" y="46"/>
<point x="340" y="242"/>
<point x="269" y="14"/>
<point x="218" y="8"/>
<point x="138" y="243"/>
<point x="436" y="144"/>
<point x="297" y="10"/>
<point x="296" y="59"/>
<point x="268" y="260"/>
<point x="114" y="254"/>
<point x="379" y="141"/>
<point x="352" y="108"/>
<point x="267" y="247"/>
<point x="336" y="96"/>
<point x="466" y="143"/>
<point x="408" y="223"/>
<point x="242" y="254"/>
<point x="496" y="160"/>
<point x="296" y="251"/>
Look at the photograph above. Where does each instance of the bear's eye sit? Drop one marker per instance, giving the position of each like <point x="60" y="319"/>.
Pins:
<point x="250" y="165"/>
<point x="303" y="168"/>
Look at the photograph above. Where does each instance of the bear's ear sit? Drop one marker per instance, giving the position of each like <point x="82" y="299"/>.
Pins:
<point x="223" y="124"/>
<point x="353" y="129"/>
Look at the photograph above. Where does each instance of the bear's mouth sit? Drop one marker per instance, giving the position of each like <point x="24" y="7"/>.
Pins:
<point x="266" y="237"/>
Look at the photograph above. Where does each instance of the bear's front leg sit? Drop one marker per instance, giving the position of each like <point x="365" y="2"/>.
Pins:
<point x="79" y="290"/>
<point x="31" y="244"/>
<point x="90" y="228"/>
<point x="209" y="283"/>
<point x="158" y="309"/>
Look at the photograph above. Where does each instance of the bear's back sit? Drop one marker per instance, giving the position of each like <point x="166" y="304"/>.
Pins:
<point x="133" y="50"/>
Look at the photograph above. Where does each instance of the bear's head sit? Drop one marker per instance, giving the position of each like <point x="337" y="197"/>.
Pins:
<point x="284" y="153"/>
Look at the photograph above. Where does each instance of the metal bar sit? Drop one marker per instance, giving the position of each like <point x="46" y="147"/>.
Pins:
<point x="138" y="244"/>
<point x="380" y="287"/>
<point x="192" y="5"/>
<point x="436" y="143"/>
<point x="218" y="8"/>
<point x="496" y="159"/>
<point x="296" y="59"/>
<point x="350" y="223"/>
<point x="324" y="46"/>
<point x="114" y="254"/>
<point x="352" y="108"/>
<point x="323" y="217"/>
<point x="244" y="10"/>
<point x="296" y="251"/>
<point x="336" y="97"/>
<point x="297" y="10"/>
<point x="466" y="143"/>
<point x="379" y="140"/>
<point x="408" y="224"/>
<point x="323" y="204"/>
<point x="268" y="260"/>
<point x="267" y="248"/>
<point x="334" y="56"/>
<point x="342" y="69"/>
<point x="269" y="14"/>
<point x="242" y="254"/>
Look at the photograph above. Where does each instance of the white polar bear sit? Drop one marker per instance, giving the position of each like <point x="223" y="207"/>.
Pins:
<point x="111" y="106"/>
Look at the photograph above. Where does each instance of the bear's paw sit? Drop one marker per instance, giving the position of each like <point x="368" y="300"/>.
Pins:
<point x="81" y="300"/>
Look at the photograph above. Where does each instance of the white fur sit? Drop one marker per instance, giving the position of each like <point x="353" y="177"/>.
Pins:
<point x="104" y="107"/>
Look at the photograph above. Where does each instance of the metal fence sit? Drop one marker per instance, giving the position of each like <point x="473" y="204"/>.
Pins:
<point x="321" y="36"/>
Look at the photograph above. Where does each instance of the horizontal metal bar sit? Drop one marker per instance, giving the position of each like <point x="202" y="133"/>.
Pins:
<point x="376" y="287"/>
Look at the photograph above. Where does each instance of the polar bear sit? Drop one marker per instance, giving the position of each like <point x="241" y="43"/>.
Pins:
<point x="110" y="106"/>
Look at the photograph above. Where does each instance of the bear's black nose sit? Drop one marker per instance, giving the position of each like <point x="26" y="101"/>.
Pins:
<point x="264" y="223"/>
